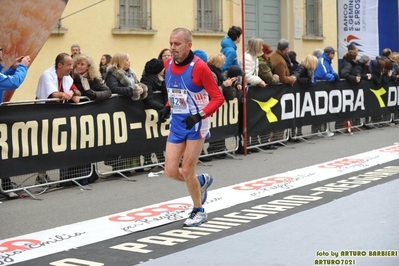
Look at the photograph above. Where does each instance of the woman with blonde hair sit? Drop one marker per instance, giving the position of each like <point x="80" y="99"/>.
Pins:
<point x="122" y="80"/>
<point x="254" y="50"/>
<point x="87" y="78"/>
<point x="305" y="71"/>
<point x="215" y="63"/>
<point x="229" y="84"/>
<point x="305" y="76"/>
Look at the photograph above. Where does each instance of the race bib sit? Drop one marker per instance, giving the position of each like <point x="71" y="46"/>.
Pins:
<point x="178" y="101"/>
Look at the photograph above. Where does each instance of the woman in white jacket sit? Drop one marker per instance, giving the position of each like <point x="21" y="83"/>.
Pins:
<point x="254" y="50"/>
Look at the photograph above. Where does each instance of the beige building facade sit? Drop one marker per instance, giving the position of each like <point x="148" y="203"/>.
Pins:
<point x="98" y="27"/>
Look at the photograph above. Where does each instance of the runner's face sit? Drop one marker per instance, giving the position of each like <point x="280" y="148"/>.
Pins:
<point x="179" y="47"/>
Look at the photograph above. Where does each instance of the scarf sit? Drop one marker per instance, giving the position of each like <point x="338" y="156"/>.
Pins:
<point x="218" y="73"/>
<point x="85" y="82"/>
<point x="132" y="79"/>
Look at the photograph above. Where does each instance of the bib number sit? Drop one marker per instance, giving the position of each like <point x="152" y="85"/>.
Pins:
<point x="178" y="101"/>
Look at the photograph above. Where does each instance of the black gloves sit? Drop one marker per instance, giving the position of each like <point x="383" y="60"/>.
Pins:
<point x="163" y="114"/>
<point x="91" y="94"/>
<point x="192" y="120"/>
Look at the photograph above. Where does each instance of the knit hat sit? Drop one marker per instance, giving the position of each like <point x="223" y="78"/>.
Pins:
<point x="329" y="50"/>
<point x="201" y="54"/>
<point x="364" y="59"/>
<point x="235" y="71"/>
<point x="266" y="49"/>
<point x="154" y="66"/>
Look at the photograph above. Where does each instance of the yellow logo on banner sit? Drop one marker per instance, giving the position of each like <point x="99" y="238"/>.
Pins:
<point x="378" y="94"/>
<point x="267" y="108"/>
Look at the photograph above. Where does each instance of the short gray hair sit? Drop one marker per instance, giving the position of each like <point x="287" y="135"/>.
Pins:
<point x="75" y="45"/>
<point x="317" y="53"/>
<point x="282" y="44"/>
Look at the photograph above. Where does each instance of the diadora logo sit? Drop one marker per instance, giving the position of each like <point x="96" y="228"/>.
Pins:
<point x="378" y="94"/>
<point x="352" y="39"/>
<point x="293" y="105"/>
<point x="392" y="97"/>
<point x="318" y="103"/>
<point x="267" y="108"/>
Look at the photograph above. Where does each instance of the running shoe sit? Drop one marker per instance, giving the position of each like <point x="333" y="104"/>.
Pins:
<point x="196" y="218"/>
<point x="204" y="188"/>
<point x="11" y="195"/>
<point x="328" y="134"/>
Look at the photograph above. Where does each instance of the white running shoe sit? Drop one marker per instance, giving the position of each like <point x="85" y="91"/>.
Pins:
<point x="12" y="195"/>
<point x="328" y="134"/>
<point x="204" y="188"/>
<point x="196" y="218"/>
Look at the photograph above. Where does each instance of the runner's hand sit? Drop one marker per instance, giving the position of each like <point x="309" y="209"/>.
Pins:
<point x="192" y="120"/>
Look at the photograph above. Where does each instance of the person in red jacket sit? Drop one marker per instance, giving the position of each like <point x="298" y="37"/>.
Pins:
<point x="193" y="97"/>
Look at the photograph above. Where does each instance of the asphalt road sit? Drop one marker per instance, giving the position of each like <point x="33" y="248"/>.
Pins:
<point x="335" y="222"/>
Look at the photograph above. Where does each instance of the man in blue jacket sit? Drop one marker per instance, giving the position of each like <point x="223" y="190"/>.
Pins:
<point x="11" y="79"/>
<point x="324" y="69"/>
<point x="229" y="47"/>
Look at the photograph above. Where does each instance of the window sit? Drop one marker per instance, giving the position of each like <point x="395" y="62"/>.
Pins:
<point x="209" y="15"/>
<point x="314" y="20"/>
<point x="135" y="14"/>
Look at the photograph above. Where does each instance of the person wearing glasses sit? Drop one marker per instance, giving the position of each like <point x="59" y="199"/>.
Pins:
<point x="11" y="79"/>
<point x="164" y="54"/>
<point x="324" y="69"/>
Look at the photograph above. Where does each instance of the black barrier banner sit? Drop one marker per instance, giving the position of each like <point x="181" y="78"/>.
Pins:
<point x="38" y="137"/>
<point x="280" y="107"/>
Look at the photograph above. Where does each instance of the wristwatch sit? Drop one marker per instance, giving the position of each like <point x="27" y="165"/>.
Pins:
<point x="202" y="114"/>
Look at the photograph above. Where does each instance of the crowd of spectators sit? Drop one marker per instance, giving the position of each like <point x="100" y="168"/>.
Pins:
<point x="75" y="76"/>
